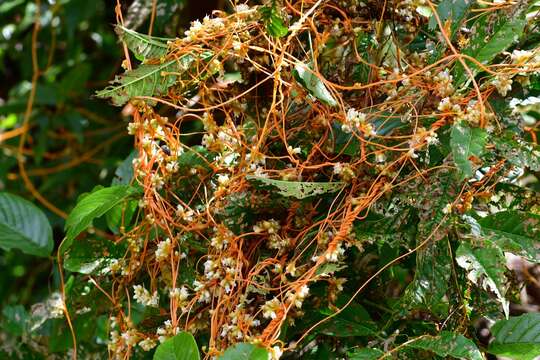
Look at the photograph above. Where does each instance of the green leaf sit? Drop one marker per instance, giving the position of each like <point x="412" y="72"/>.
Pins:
<point x="154" y="79"/>
<point x="274" y="23"/>
<point x="121" y="215"/>
<point x="354" y="320"/>
<point x="298" y="189"/>
<point x="245" y="351"/>
<point x="14" y="320"/>
<point x="309" y="80"/>
<point x="485" y="267"/>
<point x="366" y="354"/>
<point x="448" y="344"/>
<point x="517" y="338"/>
<point x="143" y="46"/>
<point x="93" y="206"/>
<point x="489" y="40"/>
<point x="146" y="80"/>
<point x="431" y="278"/>
<point x="180" y="347"/>
<point x="466" y="142"/>
<point x="124" y="172"/>
<point x="451" y="10"/>
<point x="24" y="226"/>
<point x="514" y="231"/>
<point x="90" y="256"/>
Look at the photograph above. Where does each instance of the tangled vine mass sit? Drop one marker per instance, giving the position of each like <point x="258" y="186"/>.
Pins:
<point x="310" y="174"/>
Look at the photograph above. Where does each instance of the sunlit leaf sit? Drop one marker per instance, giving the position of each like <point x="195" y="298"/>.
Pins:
<point x="298" y="189"/>
<point x="448" y="344"/>
<point x="180" y="347"/>
<point x="313" y="84"/>
<point x="143" y="46"/>
<point x="489" y="40"/>
<point x="467" y="142"/>
<point x="485" y="267"/>
<point x="517" y="338"/>
<point x="514" y="231"/>
<point x="93" y="206"/>
<point x="245" y="351"/>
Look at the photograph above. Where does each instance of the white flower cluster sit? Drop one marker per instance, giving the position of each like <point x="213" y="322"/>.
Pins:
<point x="55" y="305"/>
<point x="272" y="227"/>
<point x="503" y="84"/>
<point x="147" y="344"/>
<point x="355" y="119"/>
<point x="202" y="291"/>
<point x="180" y="294"/>
<point x="166" y="331"/>
<point x="419" y="139"/>
<point x="443" y="81"/>
<point x="152" y="135"/>
<point x="143" y="296"/>
<point x="163" y="251"/>
<point x="185" y="214"/>
<point x="297" y="298"/>
<point x="270" y="308"/>
<point x="207" y="27"/>
<point x="344" y="171"/>
<point x="224" y="269"/>
<point x="222" y="238"/>
<point x="447" y="106"/>
<point x="334" y="253"/>
<point x="529" y="58"/>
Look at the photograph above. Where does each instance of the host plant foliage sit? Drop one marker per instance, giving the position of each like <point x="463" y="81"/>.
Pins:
<point x="318" y="179"/>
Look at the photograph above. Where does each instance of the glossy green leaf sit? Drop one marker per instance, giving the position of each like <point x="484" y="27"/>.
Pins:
<point x="121" y="215"/>
<point x="313" y="84"/>
<point x="93" y="206"/>
<point x="245" y="351"/>
<point x="142" y="45"/>
<point x="24" y="226"/>
<point x="514" y="231"/>
<point x="448" y="344"/>
<point x="485" y="267"/>
<point x="489" y="40"/>
<point x="465" y="143"/>
<point x="297" y="189"/>
<point x="180" y="347"/>
<point x="517" y="338"/>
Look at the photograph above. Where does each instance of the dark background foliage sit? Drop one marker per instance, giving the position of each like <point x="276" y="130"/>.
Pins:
<point x="75" y="141"/>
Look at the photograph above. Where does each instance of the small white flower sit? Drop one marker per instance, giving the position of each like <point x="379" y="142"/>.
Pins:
<point x="503" y="83"/>
<point x="223" y="179"/>
<point x="181" y="294"/>
<point x="130" y="337"/>
<point x="294" y="151"/>
<point x="334" y="254"/>
<point x="163" y="250"/>
<point x="447" y="209"/>
<point x="143" y="296"/>
<point x="270" y="308"/>
<point x="147" y="344"/>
